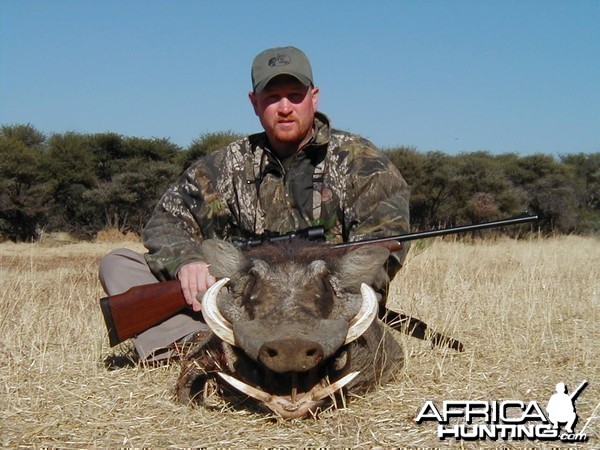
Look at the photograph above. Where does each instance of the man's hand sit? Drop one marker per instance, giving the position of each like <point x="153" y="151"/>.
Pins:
<point x="194" y="278"/>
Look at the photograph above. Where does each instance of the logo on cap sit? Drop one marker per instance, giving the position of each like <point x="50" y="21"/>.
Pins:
<point x="279" y="60"/>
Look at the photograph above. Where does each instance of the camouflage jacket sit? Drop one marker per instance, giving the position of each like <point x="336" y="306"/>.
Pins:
<point x="338" y="180"/>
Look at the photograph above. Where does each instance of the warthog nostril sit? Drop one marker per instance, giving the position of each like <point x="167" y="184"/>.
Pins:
<point x="290" y="355"/>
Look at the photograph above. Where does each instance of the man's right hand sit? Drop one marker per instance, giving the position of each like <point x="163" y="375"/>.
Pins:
<point x="195" y="278"/>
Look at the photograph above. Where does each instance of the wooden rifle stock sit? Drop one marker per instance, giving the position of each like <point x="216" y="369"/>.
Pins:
<point x="142" y="307"/>
<point x="128" y="314"/>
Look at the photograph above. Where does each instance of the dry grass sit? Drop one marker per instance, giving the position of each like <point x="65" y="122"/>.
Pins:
<point x="526" y="311"/>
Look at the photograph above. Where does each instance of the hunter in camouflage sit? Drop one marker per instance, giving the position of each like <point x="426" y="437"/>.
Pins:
<point x="297" y="173"/>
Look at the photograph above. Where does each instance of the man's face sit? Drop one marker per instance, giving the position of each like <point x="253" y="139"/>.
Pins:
<point x="286" y="109"/>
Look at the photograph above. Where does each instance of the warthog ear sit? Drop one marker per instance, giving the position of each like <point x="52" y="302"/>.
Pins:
<point x="224" y="258"/>
<point x="259" y="269"/>
<point x="363" y="265"/>
<point x="319" y="269"/>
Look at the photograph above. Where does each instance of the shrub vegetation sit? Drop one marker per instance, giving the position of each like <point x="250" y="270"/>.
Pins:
<point x="85" y="183"/>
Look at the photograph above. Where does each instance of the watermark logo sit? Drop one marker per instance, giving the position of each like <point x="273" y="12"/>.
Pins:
<point x="511" y="419"/>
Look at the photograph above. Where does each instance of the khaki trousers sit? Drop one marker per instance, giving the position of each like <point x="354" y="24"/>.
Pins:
<point x="122" y="269"/>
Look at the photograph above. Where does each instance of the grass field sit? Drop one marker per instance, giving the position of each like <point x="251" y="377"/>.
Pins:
<point x="527" y="312"/>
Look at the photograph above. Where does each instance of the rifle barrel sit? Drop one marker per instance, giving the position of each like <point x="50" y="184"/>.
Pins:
<point x="577" y="391"/>
<point x="523" y="218"/>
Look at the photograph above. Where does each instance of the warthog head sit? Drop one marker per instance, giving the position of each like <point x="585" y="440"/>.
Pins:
<point x="295" y="323"/>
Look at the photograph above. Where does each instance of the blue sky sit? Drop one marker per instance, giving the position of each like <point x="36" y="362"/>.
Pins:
<point x="455" y="75"/>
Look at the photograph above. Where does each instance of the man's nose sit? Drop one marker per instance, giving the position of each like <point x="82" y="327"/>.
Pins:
<point x="284" y="106"/>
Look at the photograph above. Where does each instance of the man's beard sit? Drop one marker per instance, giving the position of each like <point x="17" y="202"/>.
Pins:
<point x="296" y="134"/>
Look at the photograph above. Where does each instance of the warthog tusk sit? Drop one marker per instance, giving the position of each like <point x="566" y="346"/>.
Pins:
<point x="333" y="388"/>
<point x="213" y="317"/>
<point x="365" y="316"/>
<point x="282" y="406"/>
<point x="246" y="388"/>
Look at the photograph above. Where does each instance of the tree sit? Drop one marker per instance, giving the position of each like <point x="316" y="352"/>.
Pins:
<point x="135" y="173"/>
<point x="487" y="192"/>
<point x="106" y="180"/>
<point x="154" y="149"/>
<point x="127" y="201"/>
<point x="25" y="134"/>
<point x="109" y="151"/>
<point x="586" y="170"/>
<point x="454" y="190"/>
<point x="23" y="198"/>
<point x="70" y="166"/>
<point x="549" y="187"/>
<point x="417" y="170"/>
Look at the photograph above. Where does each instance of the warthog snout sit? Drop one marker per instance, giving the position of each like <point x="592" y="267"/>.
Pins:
<point x="290" y="355"/>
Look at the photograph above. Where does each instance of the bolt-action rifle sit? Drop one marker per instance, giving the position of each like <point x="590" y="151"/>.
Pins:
<point x="128" y="314"/>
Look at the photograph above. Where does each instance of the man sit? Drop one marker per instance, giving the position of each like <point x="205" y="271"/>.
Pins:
<point x="561" y="408"/>
<point x="298" y="173"/>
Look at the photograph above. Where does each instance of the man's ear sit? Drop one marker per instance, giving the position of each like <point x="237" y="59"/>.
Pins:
<point x="315" y="98"/>
<point x="254" y="101"/>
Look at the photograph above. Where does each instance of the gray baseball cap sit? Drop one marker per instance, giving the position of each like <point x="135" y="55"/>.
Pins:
<point x="280" y="61"/>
